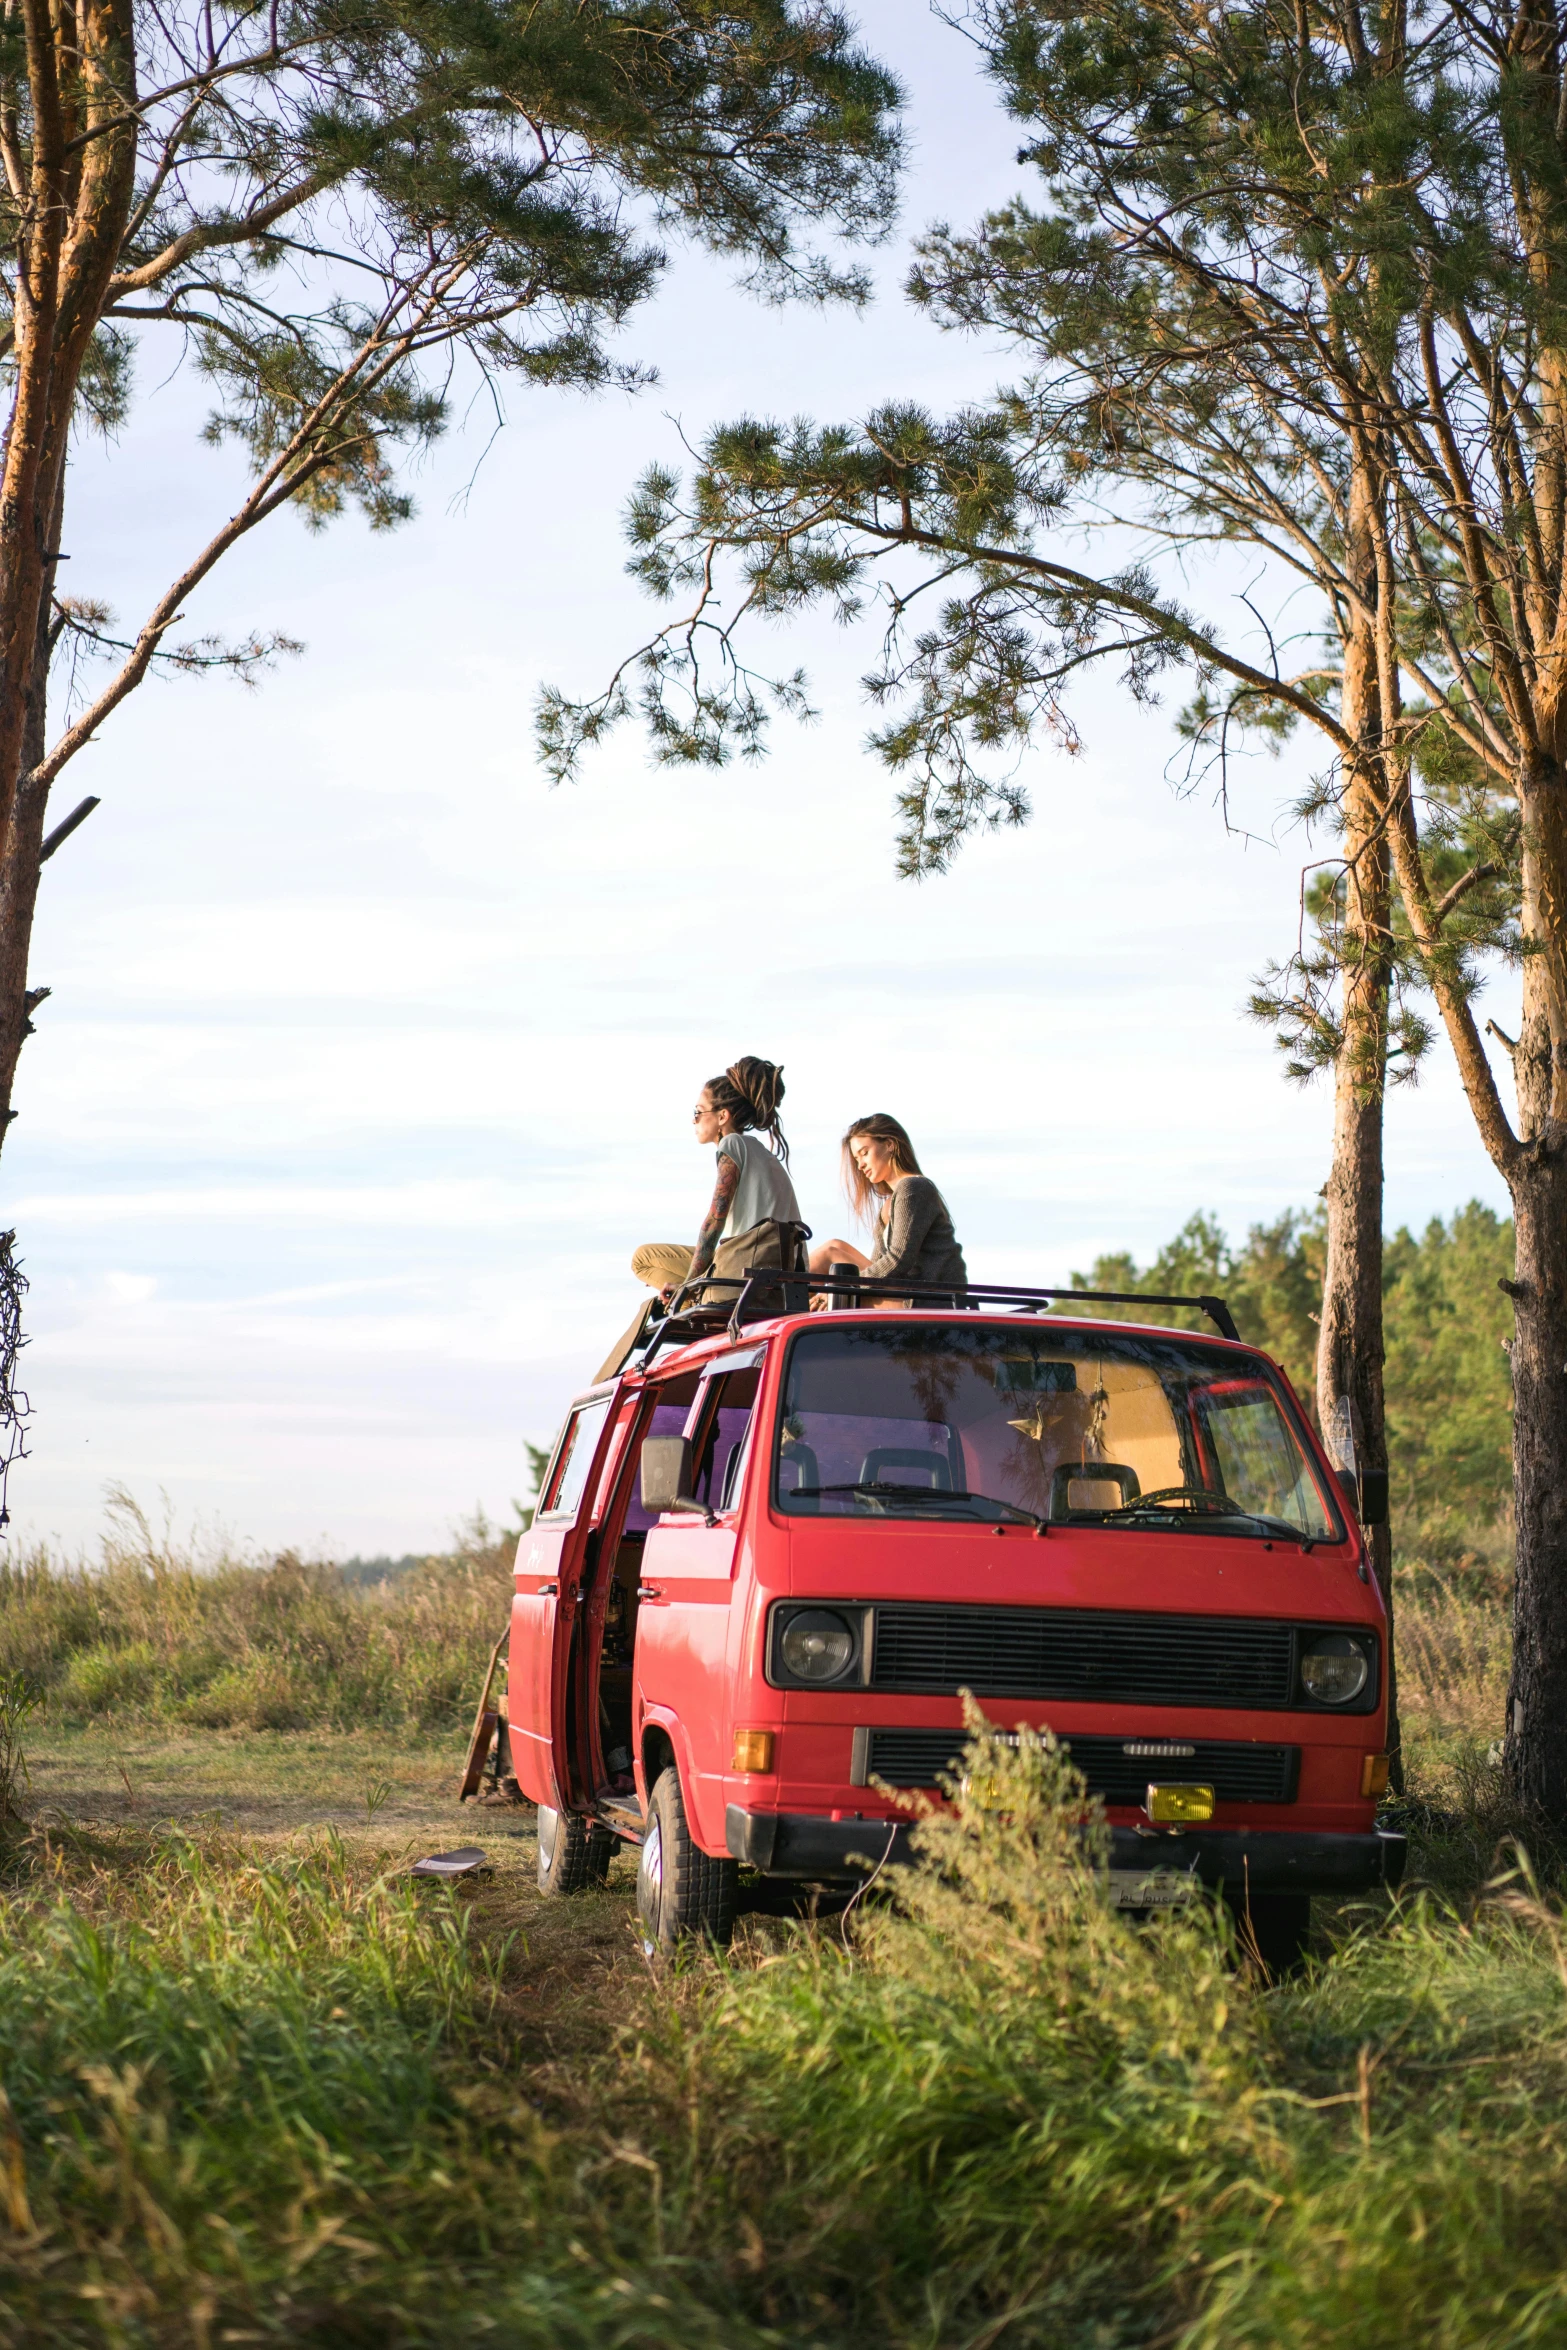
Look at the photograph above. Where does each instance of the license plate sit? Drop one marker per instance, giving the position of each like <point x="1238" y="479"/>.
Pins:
<point x="1151" y="1889"/>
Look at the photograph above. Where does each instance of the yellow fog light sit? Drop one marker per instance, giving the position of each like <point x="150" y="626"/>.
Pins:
<point x="1177" y="1806"/>
<point x="1373" y="1775"/>
<point x="753" y="1750"/>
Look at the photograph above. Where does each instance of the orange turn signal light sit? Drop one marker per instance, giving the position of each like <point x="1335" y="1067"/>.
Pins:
<point x="1373" y="1775"/>
<point x="753" y="1750"/>
<point x="1181" y="1806"/>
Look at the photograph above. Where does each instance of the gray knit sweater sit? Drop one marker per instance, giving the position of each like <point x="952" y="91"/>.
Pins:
<point x="917" y="1242"/>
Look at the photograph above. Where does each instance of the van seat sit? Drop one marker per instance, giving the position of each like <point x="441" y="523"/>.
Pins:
<point x="1092" y="1485"/>
<point x="934" y="1468"/>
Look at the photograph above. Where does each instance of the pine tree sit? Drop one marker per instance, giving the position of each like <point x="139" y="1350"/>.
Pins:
<point x="1297" y="281"/>
<point x="320" y="207"/>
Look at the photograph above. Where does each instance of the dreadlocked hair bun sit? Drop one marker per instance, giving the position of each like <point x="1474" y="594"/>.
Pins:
<point x="751" y="1090"/>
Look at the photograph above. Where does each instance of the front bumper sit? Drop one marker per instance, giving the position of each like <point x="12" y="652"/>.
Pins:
<point x="1259" y="1860"/>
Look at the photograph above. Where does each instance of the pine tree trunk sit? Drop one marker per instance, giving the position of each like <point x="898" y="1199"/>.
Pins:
<point x="1350" y="1349"/>
<point x="81" y="85"/>
<point x="1536" y="1743"/>
<point x="1535" y="1749"/>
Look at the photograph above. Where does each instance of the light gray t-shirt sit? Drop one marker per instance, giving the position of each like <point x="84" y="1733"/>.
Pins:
<point x="764" y="1191"/>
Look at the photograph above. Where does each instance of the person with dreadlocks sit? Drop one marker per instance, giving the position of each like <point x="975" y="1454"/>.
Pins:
<point x="753" y="1219"/>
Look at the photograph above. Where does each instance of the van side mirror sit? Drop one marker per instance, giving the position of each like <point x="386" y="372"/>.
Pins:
<point x="1372" y="1497"/>
<point x="666" y="1478"/>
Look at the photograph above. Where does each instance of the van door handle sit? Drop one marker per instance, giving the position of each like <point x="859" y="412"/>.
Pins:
<point x="547" y="1591"/>
<point x="649" y="1591"/>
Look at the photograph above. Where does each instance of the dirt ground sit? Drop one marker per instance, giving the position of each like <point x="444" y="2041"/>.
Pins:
<point x="267" y="1782"/>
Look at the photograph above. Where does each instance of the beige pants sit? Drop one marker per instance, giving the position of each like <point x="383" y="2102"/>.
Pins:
<point x="665" y="1264"/>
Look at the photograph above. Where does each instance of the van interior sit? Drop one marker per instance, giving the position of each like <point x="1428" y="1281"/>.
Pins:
<point x="715" y="1414"/>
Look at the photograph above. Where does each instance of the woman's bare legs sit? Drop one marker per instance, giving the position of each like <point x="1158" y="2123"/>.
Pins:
<point x="837" y="1252"/>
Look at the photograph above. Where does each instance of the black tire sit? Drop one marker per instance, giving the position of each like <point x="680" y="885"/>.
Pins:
<point x="681" y="1890"/>
<point x="574" y="1853"/>
<point x="1274" y="1928"/>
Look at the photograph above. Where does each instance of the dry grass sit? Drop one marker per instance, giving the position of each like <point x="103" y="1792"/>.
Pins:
<point x="155" y="1629"/>
<point x="1454" y="1634"/>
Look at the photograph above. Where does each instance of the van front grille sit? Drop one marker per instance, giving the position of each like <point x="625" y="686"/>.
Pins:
<point x="1083" y="1654"/>
<point x="1117" y="1770"/>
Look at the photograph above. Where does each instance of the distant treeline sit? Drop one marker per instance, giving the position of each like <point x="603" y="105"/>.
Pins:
<point x="1449" y="1397"/>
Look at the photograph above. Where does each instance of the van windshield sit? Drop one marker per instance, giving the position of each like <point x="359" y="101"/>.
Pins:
<point x="1082" y="1427"/>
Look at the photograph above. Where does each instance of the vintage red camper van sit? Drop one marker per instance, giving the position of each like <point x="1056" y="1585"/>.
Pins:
<point x="770" y="1555"/>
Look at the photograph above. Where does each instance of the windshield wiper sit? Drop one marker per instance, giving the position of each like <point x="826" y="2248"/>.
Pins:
<point x="1278" y="1528"/>
<point x="881" y="1489"/>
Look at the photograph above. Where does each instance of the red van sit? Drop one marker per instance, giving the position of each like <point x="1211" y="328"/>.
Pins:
<point x="767" y="1559"/>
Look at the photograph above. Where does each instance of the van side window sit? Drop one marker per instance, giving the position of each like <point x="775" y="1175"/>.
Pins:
<point x="723" y="1423"/>
<point x="563" y="1496"/>
<point x="668" y="1419"/>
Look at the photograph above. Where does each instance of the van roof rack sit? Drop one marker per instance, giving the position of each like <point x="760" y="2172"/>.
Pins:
<point x="846" y="1289"/>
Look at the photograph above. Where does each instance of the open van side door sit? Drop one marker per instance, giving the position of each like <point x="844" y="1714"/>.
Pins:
<point x="554" y="1564"/>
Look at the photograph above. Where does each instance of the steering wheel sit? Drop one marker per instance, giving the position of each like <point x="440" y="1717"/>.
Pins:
<point x="1194" y="1496"/>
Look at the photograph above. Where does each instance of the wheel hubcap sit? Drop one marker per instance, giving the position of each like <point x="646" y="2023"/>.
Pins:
<point x="650" y="1877"/>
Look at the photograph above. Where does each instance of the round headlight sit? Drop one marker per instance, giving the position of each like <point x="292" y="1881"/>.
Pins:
<point x="817" y="1645"/>
<point x="1334" y="1669"/>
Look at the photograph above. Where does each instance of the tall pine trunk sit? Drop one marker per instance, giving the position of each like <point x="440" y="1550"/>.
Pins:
<point x="74" y="207"/>
<point x="1535" y="1749"/>
<point x="1350" y="1349"/>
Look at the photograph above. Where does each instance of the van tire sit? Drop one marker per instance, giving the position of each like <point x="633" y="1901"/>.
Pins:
<point x="1273" y="1927"/>
<point x="574" y="1853"/>
<point x="682" y="1892"/>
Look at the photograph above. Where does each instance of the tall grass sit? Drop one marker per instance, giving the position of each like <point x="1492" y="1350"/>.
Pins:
<point x="255" y="2100"/>
<point x="161" y="1631"/>
<point x="297" y="2100"/>
<point x="1453" y="1627"/>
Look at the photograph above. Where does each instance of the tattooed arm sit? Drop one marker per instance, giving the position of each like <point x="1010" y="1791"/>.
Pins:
<point x="717" y="1215"/>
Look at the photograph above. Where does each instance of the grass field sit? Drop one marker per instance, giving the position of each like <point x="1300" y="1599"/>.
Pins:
<point x="261" y="2087"/>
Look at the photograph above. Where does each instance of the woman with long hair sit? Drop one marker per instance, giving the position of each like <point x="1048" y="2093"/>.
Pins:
<point x="915" y="1240"/>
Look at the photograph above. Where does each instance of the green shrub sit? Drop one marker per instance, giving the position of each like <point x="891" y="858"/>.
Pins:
<point x="1005" y="2114"/>
<point x="103" y="1679"/>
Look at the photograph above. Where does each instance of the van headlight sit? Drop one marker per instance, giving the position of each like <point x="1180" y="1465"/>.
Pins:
<point x="818" y="1645"/>
<point x="1334" y="1668"/>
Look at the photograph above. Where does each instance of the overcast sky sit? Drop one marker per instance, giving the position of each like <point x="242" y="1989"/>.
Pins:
<point x="370" y="1057"/>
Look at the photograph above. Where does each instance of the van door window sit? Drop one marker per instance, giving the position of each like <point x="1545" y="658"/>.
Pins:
<point x="563" y="1497"/>
<point x="627" y="1533"/>
<point x="669" y="1419"/>
<point x="721" y="1427"/>
<point x="1257" y="1461"/>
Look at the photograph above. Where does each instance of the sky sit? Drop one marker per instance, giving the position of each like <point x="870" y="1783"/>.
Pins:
<point x="370" y="1056"/>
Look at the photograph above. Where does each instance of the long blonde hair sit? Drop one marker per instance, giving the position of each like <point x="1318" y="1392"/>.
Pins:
<point x="863" y="1195"/>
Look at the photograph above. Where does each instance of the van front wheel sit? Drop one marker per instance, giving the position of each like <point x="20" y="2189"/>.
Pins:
<point x="574" y="1853"/>
<point x="681" y="1890"/>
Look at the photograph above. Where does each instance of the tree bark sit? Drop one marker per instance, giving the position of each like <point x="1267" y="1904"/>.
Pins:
<point x="1350" y="1349"/>
<point x="78" y="193"/>
<point x="1535" y="1750"/>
